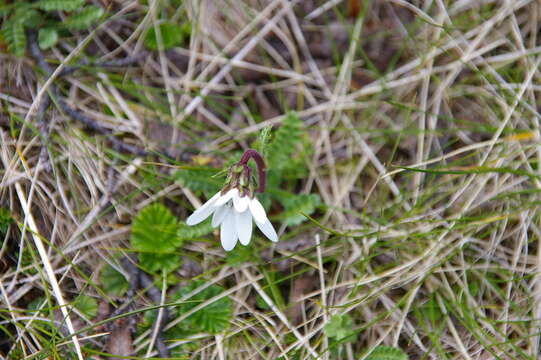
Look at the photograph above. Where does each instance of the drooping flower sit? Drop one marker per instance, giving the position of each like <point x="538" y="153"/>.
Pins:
<point x="234" y="207"/>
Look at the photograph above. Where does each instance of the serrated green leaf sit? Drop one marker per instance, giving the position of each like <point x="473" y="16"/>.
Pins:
<point x="61" y="5"/>
<point x="199" y="179"/>
<point x="186" y="232"/>
<point x="154" y="230"/>
<point x="263" y="141"/>
<point x="84" y="18"/>
<point x="154" y="237"/>
<point x="47" y="38"/>
<point x="29" y="17"/>
<point x="171" y="35"/>
<point x="87" y="305"/>
<point x="213" y="318"/>
<point x="23" y="11"/>
<point x="113" y="282"/>
<point x="283" y="144"/>
<point x="297" y="205"/>
<point x="339" y="327"/>
<point x="241" y="256"/>
<point x="15" y="36"/>
<point x="387" y="353"/>
<point x="156" y="262"/>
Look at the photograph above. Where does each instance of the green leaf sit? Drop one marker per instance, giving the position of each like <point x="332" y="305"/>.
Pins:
<point x="295" y="207"/>
<point x="47" y="38"/>
<point x="13" y="30"/>
<point x="241" y="256"/>
<point x="282" y="146"/>
<point x="263" y="141"/>
<point x="156" y="262"/>
<point x="5" y="221"/>
<point x="339" y="327"/>
<point x="387" y="353"/>
<point x="62" y="5"/>
<point x="154" y="236"/>
<point x="113" y="282"/>
<point x="84" y="18"/>
<point x="199" y="179"/>
<point x="35" y="304"/>
<point x="186" y="232"/>
<point x="261" y="303"/>
<point x="171" y="35"/>
<point x="29" y="17"/>
<point x="431" y="310"/>
<point x="213" y="318"/>
<point x="15" y="37"/>
<point x="154" y="230"/>
<point x="87" y="305"/>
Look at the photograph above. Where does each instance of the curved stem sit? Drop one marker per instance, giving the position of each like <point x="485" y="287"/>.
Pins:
<point x="261" y="176"/>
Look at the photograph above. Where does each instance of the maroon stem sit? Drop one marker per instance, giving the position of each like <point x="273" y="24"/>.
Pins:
<point x="261" y="177"/>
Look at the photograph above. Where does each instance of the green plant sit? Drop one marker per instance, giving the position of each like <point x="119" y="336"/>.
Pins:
<point x="280" y="150"/>
<point x="42" y="15"/>
<point x="171" y="35"/>
<point x="113" y="282"/>
<point x="199" y="178"/>
<point x="285" y="159"/>
<point x="154" y="237"/>
<point x="286" y="154"/>
<point x="339" y="327"/>
<point x="87" y="305"/>
<point x="213" y="318"/>
<point x="387" y="353"/>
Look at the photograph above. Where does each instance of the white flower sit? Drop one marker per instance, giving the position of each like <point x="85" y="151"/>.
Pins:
<point x="234" y="213"/>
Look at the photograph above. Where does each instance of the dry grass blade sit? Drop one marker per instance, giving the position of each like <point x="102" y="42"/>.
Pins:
<point x="64" y="307"/>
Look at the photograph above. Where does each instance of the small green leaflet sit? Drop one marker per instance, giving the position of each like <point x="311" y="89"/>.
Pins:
<point x="62" y="5"/>
<point x="339" y="327"/>
<point x="387" y="353"/>
<point x="87" y="305"/>
<point x="47" y="38"/>
<point x="154" y="237"/>
<point x="14" y="35"/>
<point x="113" y="282"/>
<point x="171" y="36"/>
<point x="213" y="318"/>
<point x="283" y="144"/>
<point x="296" y="207"/>
<point x="199" y="179"/>
<point x="84" y="18"/>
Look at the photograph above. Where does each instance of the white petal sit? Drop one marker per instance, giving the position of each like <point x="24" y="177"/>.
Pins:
<point x="228" y="231"/>
<point x="241" y="203"/>
<point x="267" y="229"/>
<point x="228" y="196"/>
<point x="219" y="215"/>
<point x="244" y="226"/>
<point x="203" y="212"/>
<point x="257" y="211"/>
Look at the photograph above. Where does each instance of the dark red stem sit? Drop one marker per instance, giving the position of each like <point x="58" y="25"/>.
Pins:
<point x="261" y="177"/>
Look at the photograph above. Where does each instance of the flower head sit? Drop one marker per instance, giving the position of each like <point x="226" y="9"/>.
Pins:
<point x="234" y="207"/>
